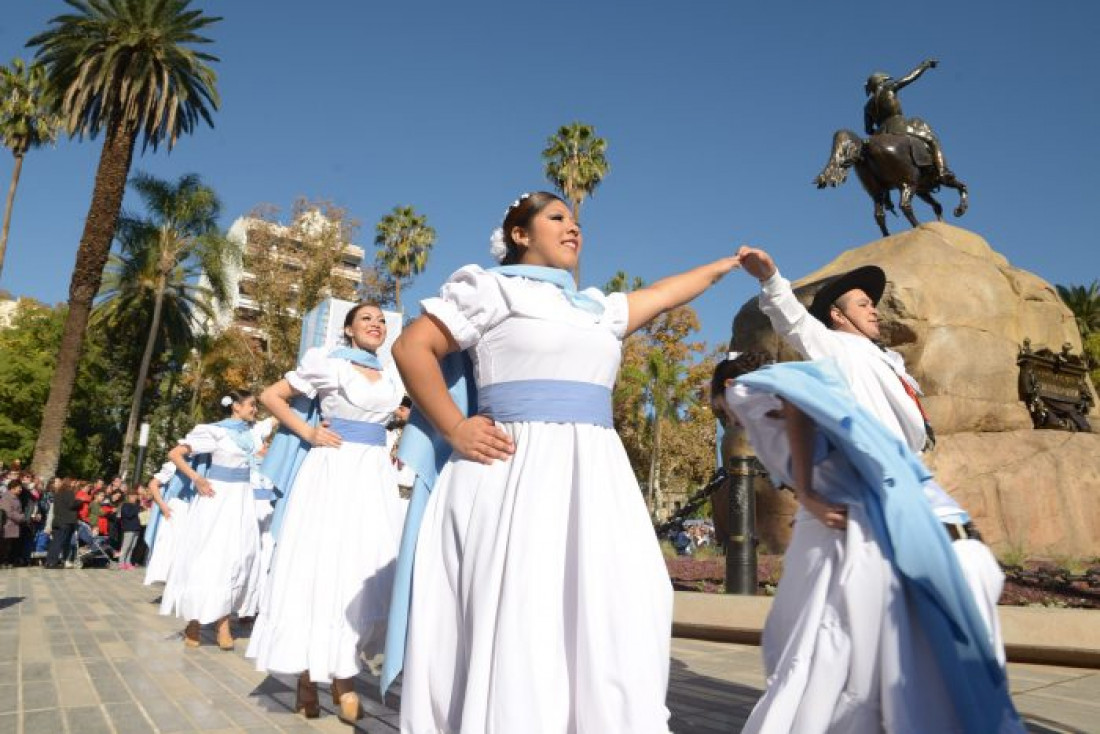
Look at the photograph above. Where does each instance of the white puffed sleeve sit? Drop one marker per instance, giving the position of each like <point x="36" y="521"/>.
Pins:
<point x="317" y="371"/>
<point x="165" y="473"/>
<point x="203" y="438"/>
<point x="262" y="429"/>
<point x="616" y="310"/>
<point x="469" y="304"/>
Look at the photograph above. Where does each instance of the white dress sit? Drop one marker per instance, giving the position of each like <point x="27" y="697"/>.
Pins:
<point x="526" y="616"/>
<point x="328" y="593"/>
<point x="843" y="649"/>
<point x="169" y="530"/>
<point x="214" y="570"/>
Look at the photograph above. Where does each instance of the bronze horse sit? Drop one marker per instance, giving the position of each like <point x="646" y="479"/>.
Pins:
<point x="885" y="162"/>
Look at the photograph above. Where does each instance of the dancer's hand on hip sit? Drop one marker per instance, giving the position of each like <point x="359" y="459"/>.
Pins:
<point x="479" y="439"/>
<point x="322" y="436"/>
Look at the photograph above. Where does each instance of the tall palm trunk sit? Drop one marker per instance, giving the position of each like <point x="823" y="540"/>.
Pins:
<point x="576" y="203"/>
<point x="143" y="372"/>
<point x="397" y="294"/>
<point x="654" y="465"/>
<point x="91" y="256"/>
<point x="7" y="207"/>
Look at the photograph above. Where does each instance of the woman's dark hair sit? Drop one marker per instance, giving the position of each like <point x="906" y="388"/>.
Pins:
<point x="521" y="215"/>
<point x="350" y="317"/>
<point x="731" y="369"/>
<point x="235" y="396"/>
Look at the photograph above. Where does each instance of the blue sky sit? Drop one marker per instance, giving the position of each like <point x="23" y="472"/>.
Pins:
<point x="718" y="115"/>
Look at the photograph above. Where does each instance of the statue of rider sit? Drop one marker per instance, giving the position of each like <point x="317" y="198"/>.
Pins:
<point x="882" y="113"/>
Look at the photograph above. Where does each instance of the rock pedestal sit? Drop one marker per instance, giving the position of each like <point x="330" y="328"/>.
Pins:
<point x="959" y="312"/>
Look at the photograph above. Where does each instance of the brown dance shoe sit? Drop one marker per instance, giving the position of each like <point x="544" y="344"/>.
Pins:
<point x="225" y="638"/>
<point x="307" y="703"/>
<point x="191" y="634"/>
<point x="346" y="700"/>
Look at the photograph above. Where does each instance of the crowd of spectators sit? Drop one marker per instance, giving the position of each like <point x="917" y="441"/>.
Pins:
<point x="58" y="522"/>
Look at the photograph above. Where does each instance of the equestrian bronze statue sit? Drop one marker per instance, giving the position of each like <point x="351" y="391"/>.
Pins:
<point x="902" y="153"/>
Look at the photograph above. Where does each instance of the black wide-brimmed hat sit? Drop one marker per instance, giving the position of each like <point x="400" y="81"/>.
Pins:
<point x="870" y="279"/>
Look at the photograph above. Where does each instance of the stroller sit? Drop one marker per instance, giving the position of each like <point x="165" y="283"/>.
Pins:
<point x="97" y="551"/>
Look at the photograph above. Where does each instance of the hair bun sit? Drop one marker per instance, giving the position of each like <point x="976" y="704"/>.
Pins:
<point x="498" y="248"/>
<point x="226" y="401"/>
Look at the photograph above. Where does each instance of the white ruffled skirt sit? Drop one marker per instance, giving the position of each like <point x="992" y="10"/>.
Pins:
<point x="215" y="569"/>
<point x="166" y="543"/>
<point x="328" y="593"/>
<point x="540" y="601"/>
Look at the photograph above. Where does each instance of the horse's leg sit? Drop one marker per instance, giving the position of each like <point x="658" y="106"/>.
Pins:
<point x="930" y="200"/>
<point x="880" y="212"/>
<point x="964" y="197"/>
<point x="906" y="204"/>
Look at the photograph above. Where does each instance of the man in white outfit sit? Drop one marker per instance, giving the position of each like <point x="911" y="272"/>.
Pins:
<point x="842" y="324"/>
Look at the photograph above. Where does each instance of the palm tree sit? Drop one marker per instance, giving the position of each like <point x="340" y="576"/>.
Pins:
<point x="163" y="257"/>
<point x="576" y="164"/>
<point x="666" y="393"/>
<point x="27" y="121"/>
<point x="1085" y="305"/>
<point x="124" y="68"/>
<point x="404" y="240"/>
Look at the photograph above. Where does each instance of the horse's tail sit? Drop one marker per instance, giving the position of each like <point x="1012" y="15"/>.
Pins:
<point x="847" y="147"/>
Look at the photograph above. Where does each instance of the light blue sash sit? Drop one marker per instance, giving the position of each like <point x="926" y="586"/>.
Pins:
<point x="220" y="473"/>
<point x="551" y="401"/>
<point x="546" y="401"/>
<point x="909" y="535"/>
<point x="372" y="434"/>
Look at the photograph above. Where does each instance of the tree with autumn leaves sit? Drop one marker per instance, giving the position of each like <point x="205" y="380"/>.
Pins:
<point x="660" y="409"/>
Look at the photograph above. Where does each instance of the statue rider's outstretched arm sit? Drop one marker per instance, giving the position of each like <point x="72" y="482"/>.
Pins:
<point x="915" y="74"/>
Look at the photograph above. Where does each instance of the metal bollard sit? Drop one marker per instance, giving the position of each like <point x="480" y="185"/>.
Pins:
<point x="740" y="462"/>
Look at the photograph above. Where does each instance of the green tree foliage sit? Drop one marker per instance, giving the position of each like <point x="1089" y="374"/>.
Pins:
<point x="156" y="278"/>
<point x="28" y="350"/>
<point x="404" y="241"/>
<point x="1084" y="302"/>
<point x="127" y="69"/>
<point x="27" y="121"/>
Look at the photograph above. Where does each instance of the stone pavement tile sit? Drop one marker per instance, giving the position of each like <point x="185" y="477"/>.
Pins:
<point x="128" y="718"/>
<point x="86" y="720"/>
<point x="78" y="692"/>
<point x="9" y="698"/>
<point x="108" y="685"/>
<point x="203" y="712"/>
<point x="1055" y="715"/>
<point x="39" y="695"/>
<point x="43" y="722"/>
<point x="167" y="717"/>
<point x="9" y="723"/>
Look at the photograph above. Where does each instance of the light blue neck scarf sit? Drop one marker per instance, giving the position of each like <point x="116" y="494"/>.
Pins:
<point x="561" y="278"/>
<point x="361" y="357"/>
<point x="241" y="431"/>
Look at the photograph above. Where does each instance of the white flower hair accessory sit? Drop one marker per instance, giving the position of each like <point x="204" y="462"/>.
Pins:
<point x="226" y="401"/>
<point x="517" y="202"/>
<point x="732" y="356"/>
<point x="497" y="247"/>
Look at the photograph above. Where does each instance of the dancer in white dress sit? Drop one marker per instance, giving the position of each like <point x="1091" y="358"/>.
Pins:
<point x="163" y="532"/>
<point x="215" y="570"/>
<point x="328" y="596"/>
<point x="525" y="616"/>
<point x="847" y="645"/>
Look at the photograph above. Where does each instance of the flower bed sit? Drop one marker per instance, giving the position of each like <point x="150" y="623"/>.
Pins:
<point x="1032" y="583"/>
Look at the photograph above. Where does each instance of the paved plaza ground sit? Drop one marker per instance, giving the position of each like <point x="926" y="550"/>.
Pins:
<point x="84" y="651"/>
